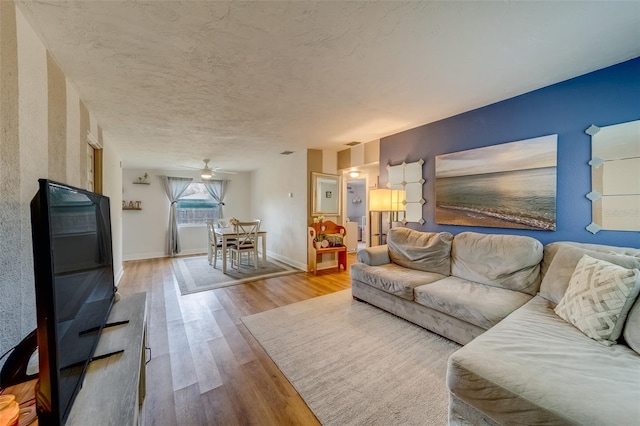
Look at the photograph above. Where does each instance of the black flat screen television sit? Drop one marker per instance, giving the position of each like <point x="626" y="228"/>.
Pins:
<point x="73" y="267"/>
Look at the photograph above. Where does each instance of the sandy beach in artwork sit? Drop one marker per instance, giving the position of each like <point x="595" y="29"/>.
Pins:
<point x="447" y="216"/>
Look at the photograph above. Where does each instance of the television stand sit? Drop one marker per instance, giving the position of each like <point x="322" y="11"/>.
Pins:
<point x="114" y="386"/>
<point x="113" y="389"/>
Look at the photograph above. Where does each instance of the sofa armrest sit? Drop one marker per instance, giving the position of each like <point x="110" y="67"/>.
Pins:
<point x="374" y="256"/>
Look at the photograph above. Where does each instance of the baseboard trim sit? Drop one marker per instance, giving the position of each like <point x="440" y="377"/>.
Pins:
<point x="287" y="260"/>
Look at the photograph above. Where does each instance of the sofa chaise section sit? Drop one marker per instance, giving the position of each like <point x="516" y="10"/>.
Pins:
<point x="534" y="367"/>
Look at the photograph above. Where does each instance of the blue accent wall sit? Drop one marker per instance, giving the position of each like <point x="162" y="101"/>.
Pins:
<point x="605" y="97"/>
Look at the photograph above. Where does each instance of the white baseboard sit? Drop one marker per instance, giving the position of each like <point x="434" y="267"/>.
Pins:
<point x="143" y="256"/>
<point x="278" y="257"/>
<point x="157" y="255"/>
<point x="118" y="276"/>
<point x="288" y="261"/>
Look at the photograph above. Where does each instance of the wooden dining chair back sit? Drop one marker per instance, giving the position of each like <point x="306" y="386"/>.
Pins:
<point x="214" y="246"/>
<point x="246" y="242"/>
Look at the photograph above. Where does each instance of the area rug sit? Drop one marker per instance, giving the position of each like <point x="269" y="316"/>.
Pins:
<point x="194" y="274"/>
<point x="355" y="364"/>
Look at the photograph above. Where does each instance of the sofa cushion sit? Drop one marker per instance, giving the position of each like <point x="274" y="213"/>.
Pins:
<point x="374" y="256"/>
<point x="599" y="296"/>
<point x="425" y="251"/>
<point x="631" y="331"/>
<point x="551" y="249"/>
<point x="475" y="303"/>
<point x="507" y="261"/>
<point x="392" y="278"/>
<point x="556" y="279"/>
<point x="534" y="368"/>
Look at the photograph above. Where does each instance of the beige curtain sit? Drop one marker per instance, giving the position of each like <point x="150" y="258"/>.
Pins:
<point x="174" y="187"/>
<point x="217" y="189"/>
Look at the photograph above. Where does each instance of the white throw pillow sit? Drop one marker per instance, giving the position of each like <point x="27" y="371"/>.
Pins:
<point x="599" y="297"/>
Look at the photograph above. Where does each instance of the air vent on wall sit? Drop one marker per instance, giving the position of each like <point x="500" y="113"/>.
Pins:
<point x="354" y="143"/>
<point x="286" y="152"/>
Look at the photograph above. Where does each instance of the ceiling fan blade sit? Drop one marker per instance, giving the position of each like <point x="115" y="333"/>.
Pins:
<point x="229" y="172"/>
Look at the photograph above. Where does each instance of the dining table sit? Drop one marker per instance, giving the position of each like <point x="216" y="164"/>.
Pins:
<point x="229" y="233"/>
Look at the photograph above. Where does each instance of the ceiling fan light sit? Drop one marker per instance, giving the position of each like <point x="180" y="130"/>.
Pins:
<point x="206" y="173"/>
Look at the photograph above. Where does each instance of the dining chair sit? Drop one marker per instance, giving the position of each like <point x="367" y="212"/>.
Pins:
<point x="214" y="248"/>
<point x="246" y="242"/>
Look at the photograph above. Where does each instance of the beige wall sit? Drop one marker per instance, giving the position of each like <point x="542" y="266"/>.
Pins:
<point x="40" y="137"/>
<point x="279" y="197"/>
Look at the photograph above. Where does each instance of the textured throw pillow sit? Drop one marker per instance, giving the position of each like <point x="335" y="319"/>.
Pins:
<point x="598" y="298"/>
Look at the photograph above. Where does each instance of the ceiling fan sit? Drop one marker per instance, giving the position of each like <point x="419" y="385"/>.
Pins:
<point x="208" y="173"/>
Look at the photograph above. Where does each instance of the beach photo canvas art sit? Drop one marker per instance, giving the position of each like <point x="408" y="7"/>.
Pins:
<point x="511" y="185"/>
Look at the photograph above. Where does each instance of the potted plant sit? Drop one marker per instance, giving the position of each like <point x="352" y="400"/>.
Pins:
<point x="143" y="179"/>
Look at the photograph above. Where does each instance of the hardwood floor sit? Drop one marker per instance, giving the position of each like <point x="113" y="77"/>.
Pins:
<point x="206" y="368"/>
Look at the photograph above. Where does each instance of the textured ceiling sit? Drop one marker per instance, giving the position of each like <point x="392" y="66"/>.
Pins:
<point x="173" y="82"/>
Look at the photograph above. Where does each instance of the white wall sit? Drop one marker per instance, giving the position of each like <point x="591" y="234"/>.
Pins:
<point x="144" y="232"/>
<point x="33" y="156"/>
<point x="31" y="147"/>
<point x="283" y="217"/>
<point x="112" y="188"/>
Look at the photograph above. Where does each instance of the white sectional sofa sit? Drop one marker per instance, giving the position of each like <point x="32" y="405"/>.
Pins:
<point x="522" y="363"/>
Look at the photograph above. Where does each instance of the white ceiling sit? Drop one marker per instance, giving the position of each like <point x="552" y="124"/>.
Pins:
<point x="173" y="82"/>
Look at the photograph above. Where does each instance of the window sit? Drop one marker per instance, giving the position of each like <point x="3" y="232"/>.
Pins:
<point x="196" y="206"/>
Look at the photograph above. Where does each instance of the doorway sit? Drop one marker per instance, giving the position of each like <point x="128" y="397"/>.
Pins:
<point x="357" y="206"/>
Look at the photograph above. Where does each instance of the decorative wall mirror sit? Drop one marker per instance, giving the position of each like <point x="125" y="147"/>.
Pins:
<point x="325" y="194"/>
<point x="408" y="177"/>
<point x="615" y="177"/>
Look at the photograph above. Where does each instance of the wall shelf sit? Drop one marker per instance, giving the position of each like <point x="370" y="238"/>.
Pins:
<point x="142" y="183"/>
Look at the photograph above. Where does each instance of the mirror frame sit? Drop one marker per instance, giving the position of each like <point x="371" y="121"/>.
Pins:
<point x="315" y="186"/>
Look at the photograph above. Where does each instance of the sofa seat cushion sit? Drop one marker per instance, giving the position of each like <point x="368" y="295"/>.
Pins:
<point x="508" y="261"/>
<point x="534" y="368"/>
<point x="392" y="278"/>
<point x="478" y="304"/>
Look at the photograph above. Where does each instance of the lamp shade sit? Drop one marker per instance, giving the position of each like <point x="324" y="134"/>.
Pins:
<point x="380" y="200"/>
<point x="398" y="197"/>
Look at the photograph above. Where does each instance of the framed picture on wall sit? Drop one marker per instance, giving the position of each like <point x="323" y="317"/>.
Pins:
<point x="511" y="185"/>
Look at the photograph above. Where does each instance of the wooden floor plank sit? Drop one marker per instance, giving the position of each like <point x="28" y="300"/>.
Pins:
<point x="206" y="367"/>
<point x="159" y="403"/>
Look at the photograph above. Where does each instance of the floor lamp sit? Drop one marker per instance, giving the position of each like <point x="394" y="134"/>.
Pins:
<point x="390" y="201"/>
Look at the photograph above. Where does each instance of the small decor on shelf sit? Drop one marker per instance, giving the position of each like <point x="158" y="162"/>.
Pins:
<point x="131" y="205"/>
<point x="142" y="180"/>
